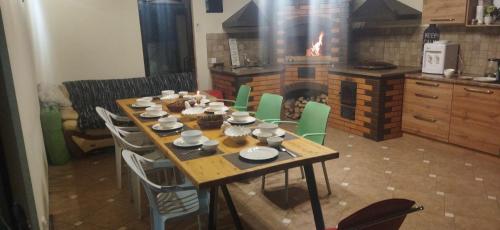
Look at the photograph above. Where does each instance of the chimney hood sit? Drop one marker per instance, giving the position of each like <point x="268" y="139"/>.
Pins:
<point x="385" y="13"/>
<point x="247" y="20"/>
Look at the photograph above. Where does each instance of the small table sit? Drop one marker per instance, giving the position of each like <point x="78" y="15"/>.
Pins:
<point x="214" y="171"/>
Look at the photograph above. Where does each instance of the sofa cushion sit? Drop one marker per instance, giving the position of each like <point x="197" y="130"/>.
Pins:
<point x="86" y="95"/>
<point x="68" y="113"/>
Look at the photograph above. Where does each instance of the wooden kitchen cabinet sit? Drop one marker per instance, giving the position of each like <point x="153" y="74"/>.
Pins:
<point x="444" y="12"/>
<point x="427" y="108"/>
<point x="475" y="118"/>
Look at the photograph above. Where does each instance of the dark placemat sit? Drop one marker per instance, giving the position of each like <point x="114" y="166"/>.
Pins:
<point x="170" y="133"/>
<point x="138" y="115"/>
<point x="243" y="164"/>
<point x="191" y="153"/>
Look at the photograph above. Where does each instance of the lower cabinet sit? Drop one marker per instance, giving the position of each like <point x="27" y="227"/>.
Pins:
<point x="463" y="115"/>
<point x="475" y="118"/>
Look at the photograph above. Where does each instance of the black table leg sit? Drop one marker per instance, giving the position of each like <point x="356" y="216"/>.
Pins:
<point x="212" y="209"/>
<point x="232" y="208"/>
<point x="313" y="196"/>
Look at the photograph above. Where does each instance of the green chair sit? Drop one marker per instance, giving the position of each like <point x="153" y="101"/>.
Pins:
<point x="312" y="126"/>
<point x="269" y="109"/>
<point x="241" y="102"/>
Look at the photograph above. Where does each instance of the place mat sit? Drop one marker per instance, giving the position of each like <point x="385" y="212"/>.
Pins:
<point x="243" y="164"/>
<point x="138" y="115"/>
<point x="185" y="154"/>
<point x="170" y="133"/>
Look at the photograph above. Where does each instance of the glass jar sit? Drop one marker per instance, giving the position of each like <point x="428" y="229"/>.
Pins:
<point x="491" y="68"/>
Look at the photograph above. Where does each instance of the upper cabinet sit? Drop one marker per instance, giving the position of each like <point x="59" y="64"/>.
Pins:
<point x="444" y="12"/>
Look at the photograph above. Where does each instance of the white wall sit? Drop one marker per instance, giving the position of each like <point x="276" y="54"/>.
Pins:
<point x="17" y="29"/>
<point x="90" y="39"/>
<point x="204" y="23"/>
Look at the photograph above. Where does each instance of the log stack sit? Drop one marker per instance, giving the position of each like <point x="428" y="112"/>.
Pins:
<point x="295" y="106"/>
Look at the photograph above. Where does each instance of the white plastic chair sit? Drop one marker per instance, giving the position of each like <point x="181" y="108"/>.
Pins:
<point x="147" y="151"/>
<point x="170" y="201"/>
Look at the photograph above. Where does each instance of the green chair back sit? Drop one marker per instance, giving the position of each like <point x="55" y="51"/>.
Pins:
<point x="269" y="107"/>
<point x="314" y="120"/>
<point x="241" y="102"/>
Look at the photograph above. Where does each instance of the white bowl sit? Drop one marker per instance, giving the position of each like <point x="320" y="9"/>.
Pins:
<point x="191" y="136"/>
<point x="267" y="127"/>
<point x="183" y="93"/>
<point x="153" y="111"/>
<point x="274" y="141"/>
<point x="167" y="122"/>
<point x="210" y="146"/>
<point x="215" y="106"/>
<point x="449" y="72"/>
<point x="192" y="112"/>
<point x="263" y="137"/>
<point x="237" y="133"/>
<point x="156" y="106"/>
<point x="167" y="92"/>
<point x="143" y="101"/>
<point x="240" y="116"/>
<point x="169" y="97"/>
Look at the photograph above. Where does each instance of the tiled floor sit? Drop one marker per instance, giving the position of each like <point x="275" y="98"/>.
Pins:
<point x="459" y="188"/>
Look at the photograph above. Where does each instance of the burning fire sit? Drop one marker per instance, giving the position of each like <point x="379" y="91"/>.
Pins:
<point x="315" y="49"/>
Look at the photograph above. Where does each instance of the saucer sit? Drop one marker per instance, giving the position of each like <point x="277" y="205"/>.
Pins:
<point x="247" y="121"/>
<point x="142" y="106"/>
<point x="279" y="132"/>
<point x="145" y="115"/>
<point x="157" y="127"/>
<point x="179" y="142"/>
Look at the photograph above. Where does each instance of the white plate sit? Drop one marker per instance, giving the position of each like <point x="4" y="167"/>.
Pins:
<point x="142" y="106"/>
<point x="223" y="109"/>
<point x="484" y="79"/>
<point x="248" y="120"/>
<point x="158" y="127"/>
<point x="145" y="115"/>
<point x="279" y="132"/>
<point x="179" y="142"/>
<point x="259" y="153"/>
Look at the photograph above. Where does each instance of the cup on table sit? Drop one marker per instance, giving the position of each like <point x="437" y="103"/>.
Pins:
<point x="216" y="106"/>
<point x="240" y="116"/>
<point x="448" y="73"/>
<point x="167" y="122"/>
<point x="274" y="141"/>
<point x="210" y="146"/>
<point x="157" y="106"/>
<point x="167" y="92"/>
<point x="263" y="137"/>
<point x="267" y="128"/>
<point x="143" y="101"/>
<point x="154" y="111"/>
<point x="191" y="136"/>
<point x="183" y="93"/>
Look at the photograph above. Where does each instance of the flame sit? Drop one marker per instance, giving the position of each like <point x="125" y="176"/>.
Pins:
<point x="315" y="49"/>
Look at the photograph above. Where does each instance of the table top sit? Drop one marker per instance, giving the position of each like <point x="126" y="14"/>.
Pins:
<point x="213" y="170"/>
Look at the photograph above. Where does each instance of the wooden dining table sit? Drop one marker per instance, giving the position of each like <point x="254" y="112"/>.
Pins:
<point x="211" y="172"/>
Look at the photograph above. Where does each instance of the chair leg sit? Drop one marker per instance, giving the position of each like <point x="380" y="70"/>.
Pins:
<point x="136" y="188"/>
<point x="158" y="223"/>
<point x="263" y="185"/>
<point x="327" y="181"/>
<point x="286" y="187"/>
<point x="302" y="172"/>
<point x="118" y="165"/>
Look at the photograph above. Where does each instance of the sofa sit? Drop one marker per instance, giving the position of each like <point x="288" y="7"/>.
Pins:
<point x="84" y="130"/>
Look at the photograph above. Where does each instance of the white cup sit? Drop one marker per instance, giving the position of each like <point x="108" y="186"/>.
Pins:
<point x="153" y="111"/>
<point x="167" y="92"/>
<point x="183" y="93"/>
<point x="210" y="146"/>
<point x="267" y="127"/>
<point x="449" y="72"/>
<point x="143" y="101"/>
<point x="216" y="106"/>
<point x="157" y="106"/>
<point x="167" y="122"/>
<point x="191" y="136"/>
<point x="274" y="141"/>
<point x="240" y="116"/>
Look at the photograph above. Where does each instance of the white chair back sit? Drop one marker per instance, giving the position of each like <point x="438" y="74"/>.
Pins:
<point x="104" y="114"/>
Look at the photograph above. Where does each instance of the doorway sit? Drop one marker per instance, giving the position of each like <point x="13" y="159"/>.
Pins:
<point x="167" y="36"/>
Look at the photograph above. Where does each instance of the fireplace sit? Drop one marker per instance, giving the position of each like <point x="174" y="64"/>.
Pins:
<point x="306" y="36"/>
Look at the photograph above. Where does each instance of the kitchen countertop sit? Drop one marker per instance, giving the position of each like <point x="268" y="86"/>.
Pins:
<point x="245" y="71"/>
<point x="441" y="78"/>
<point x="399" y="71"/>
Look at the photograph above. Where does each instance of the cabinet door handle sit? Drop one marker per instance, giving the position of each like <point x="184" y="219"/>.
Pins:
<point x="424" y="118"/>
<point x="426" y="96"/>
<point x="427" y="84"/>
<point x="442" y="19"/>
<point x="478" y="90"/>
